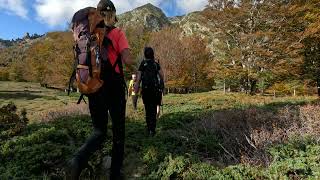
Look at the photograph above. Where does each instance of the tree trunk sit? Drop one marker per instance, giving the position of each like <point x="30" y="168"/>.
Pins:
<point x="224" y="86"/>
<point x="318" y="86"/>
<point x="253" y="84"/>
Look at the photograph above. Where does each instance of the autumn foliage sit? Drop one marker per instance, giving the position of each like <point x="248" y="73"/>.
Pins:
<point x="261" y="47"/>
<point x="183" y="59"/>
<point x="48" y="61"/>
<point x="266" y="43"/>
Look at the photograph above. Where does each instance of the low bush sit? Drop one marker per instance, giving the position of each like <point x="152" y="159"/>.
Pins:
<point x="11" y="123"/>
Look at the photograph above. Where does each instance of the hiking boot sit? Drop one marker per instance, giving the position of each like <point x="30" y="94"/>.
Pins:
<point x="74" y="169"/>
<point x="117" y="175"/>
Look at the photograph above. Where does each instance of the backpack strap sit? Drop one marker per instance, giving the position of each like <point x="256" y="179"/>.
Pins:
<point x="120" y="65"/>
<point x="88" y="60"/>
<point x="73" y="75"/>
<point x="112" y="67"/>
<point x="118" y="62"/>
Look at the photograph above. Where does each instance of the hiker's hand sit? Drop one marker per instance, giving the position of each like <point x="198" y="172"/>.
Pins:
<point x="126" y="57"/>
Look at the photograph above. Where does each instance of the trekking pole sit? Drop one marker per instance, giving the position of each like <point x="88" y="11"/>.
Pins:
<point x="162" y="109"/>
<point x="162" y="104"/>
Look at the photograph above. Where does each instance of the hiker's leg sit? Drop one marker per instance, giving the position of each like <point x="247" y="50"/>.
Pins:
<point x="117" y="112"/>
<point x="153" y="117"/>
<point x="99" y="115"/>
<point x="132" y="99"/>
<point x="148" y="99"/>
<point x="148" y="116"/>
<point x="134" y="102"/>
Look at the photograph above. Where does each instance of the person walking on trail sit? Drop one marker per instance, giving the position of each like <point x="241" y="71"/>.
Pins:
<point x="132" y="93"/>
<point x="151" y="77"/>
<point x="111" y="97"/>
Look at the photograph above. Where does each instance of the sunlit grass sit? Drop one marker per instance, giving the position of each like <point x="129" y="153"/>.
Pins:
<point x="197" y="135"/>
<point x="36" y="99"/>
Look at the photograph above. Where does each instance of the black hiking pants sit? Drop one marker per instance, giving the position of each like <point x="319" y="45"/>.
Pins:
<point x="150" y="102"/>
<point x="110" y="98"/>
<point x="135" y="101"/>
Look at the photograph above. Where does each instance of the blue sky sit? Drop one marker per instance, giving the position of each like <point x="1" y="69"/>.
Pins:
<point x="40" y="16"/>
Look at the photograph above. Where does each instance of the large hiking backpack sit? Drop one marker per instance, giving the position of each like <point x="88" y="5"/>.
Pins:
<point x="89" y="33"/>
<point x="150" y="76"/>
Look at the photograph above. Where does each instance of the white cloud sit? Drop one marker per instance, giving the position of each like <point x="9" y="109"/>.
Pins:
<point x="127" y="5"/>
<point x="191" y="5"/>
<point x="14" y="7"/>
<point x="58" y="12"/>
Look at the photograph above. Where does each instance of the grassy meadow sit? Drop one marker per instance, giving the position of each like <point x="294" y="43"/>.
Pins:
<point x="207" y="135"/>
<point x="39" y="102"/>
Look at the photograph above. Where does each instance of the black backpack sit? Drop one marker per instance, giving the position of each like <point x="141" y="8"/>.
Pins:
<point x="150" y="76"/>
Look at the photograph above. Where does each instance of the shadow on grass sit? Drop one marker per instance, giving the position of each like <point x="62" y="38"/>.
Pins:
<point x="24" y="95"/>
<point x="193" y="135"/>
<point x="19" y="95"/>
<point x="25" y="91"/>
<point x="277" y="105"/>
<point x="220" y="138"/>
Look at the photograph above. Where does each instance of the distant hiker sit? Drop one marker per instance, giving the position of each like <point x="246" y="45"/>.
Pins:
<point x="110" y="96"/>
<point x="132" y="93"/>
<point x="151" y="77"/>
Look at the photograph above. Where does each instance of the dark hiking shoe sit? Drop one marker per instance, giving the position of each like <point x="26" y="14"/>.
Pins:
<point x="73" y="169"/>
<point x="117" y="175"/>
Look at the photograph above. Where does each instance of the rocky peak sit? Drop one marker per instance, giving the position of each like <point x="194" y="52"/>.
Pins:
<point x="197" y="25"/>
<point x="149" y="6"/>
<point x="153" y="19"/>
<point x="5" y="43"/>
<point x="147" y="16"/>
<point x="27" y="39"/>
<point x="175" y="19"/>
<point x="26" y="36"/>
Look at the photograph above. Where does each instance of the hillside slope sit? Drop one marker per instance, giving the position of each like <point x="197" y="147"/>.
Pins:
<point x="148" y="16"/>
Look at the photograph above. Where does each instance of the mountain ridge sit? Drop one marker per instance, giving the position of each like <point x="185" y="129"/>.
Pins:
<point x="148" y="16"/>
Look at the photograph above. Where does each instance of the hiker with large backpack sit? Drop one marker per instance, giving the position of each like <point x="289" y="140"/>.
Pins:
<point x="100" y="51"/>
<point x="151" y="77"/>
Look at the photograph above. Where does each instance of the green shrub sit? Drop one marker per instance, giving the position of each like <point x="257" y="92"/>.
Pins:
<point x="45" y="150"/>
<point x="201" y="171"/>
<point x="4" y="74"/>
<point x="241" y="172"/>
<point x="171" y="168"/>
<point x="299" y="158"/>
<point x="11" y="124"/>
